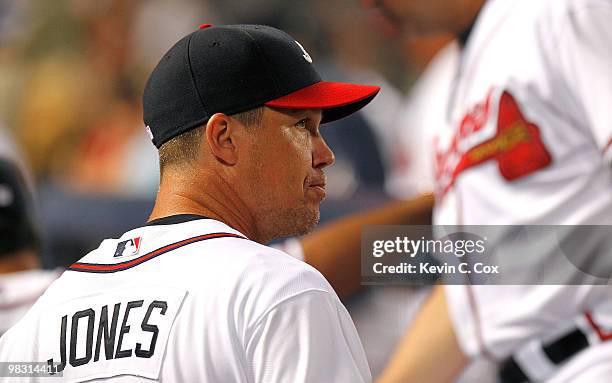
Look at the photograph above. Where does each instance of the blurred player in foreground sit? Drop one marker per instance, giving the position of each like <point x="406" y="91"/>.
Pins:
<point x="542" y="67"/>
<point x="195" y="296"/>
<point x="21" y="279"/>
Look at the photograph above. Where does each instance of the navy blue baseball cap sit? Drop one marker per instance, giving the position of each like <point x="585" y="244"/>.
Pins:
<point x="234" y="68"/>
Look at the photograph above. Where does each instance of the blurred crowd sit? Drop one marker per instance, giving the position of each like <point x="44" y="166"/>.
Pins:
<point x="71" y="79"/>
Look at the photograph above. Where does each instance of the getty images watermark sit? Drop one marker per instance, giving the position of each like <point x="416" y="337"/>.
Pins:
<point x="486" y="254"/>
<point x="457" y="248"/>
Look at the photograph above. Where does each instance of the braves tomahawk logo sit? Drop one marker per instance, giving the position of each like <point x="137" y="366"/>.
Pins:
<point x="517" y="146"/>
<point x="305" y="55"/>
<point x="128" y="247"/>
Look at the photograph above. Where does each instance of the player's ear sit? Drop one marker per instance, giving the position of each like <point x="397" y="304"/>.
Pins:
<point x="220" y="138"/>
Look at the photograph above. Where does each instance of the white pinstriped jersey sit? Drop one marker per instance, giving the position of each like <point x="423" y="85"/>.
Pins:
<point x="527" y="140"/>
<point x="189" y="299"/>
<point x="529" y="117"/>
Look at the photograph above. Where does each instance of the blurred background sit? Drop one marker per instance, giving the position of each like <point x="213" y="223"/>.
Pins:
<point x="71" y="79"/>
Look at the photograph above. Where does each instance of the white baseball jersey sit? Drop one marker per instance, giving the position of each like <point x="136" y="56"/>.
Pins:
<point x="19" y="291"/>
<point x="527" y="140"/>
<point x="424" y="110"/>
<point x="189" y="299"/>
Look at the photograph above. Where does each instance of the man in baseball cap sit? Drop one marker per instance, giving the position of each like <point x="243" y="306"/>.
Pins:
<point x="194" y="295"/>
<point x="256" y="75"/>
<point x="22" y="280"/>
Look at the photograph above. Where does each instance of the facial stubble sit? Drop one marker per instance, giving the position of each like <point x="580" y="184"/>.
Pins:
<point x="274" y="220"/>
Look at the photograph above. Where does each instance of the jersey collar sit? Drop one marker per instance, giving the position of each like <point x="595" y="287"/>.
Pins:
<point x="177" y="218"/>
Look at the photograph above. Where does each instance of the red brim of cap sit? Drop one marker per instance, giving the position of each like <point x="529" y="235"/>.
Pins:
<point x="336" y="99"/>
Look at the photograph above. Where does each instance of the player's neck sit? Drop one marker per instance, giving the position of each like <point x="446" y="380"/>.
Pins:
<point x="212" y="199"/>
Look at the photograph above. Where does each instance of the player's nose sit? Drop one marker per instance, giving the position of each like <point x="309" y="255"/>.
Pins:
<point x="322" y="155"/>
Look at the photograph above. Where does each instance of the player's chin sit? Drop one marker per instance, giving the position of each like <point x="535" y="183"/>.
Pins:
<point x="311" y="222"/>
<point x="308" y="219"/>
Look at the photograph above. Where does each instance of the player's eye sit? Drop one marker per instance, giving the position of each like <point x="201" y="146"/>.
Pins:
<point x="302" y="123"/>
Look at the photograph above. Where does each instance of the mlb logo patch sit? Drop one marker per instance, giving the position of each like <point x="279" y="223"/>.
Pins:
<point x="128" y="247"/>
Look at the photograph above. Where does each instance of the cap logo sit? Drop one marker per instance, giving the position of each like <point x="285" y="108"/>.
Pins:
<point x="305" y="55"/>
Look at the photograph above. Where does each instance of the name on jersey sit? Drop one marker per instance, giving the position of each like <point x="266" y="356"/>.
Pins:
<point x="516" y="146"/>
<point x="80" y="344"/>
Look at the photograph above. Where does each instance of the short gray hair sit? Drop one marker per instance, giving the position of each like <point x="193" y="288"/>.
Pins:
<point x="185" y="147"/>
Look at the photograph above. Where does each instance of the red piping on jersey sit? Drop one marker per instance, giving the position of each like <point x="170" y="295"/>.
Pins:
<point x="600" y="333"/>
<point x="101" y="268"/>
<point x="608" y="146"/>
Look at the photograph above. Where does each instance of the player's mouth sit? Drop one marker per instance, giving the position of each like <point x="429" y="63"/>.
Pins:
<point x="316" y="185"/>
